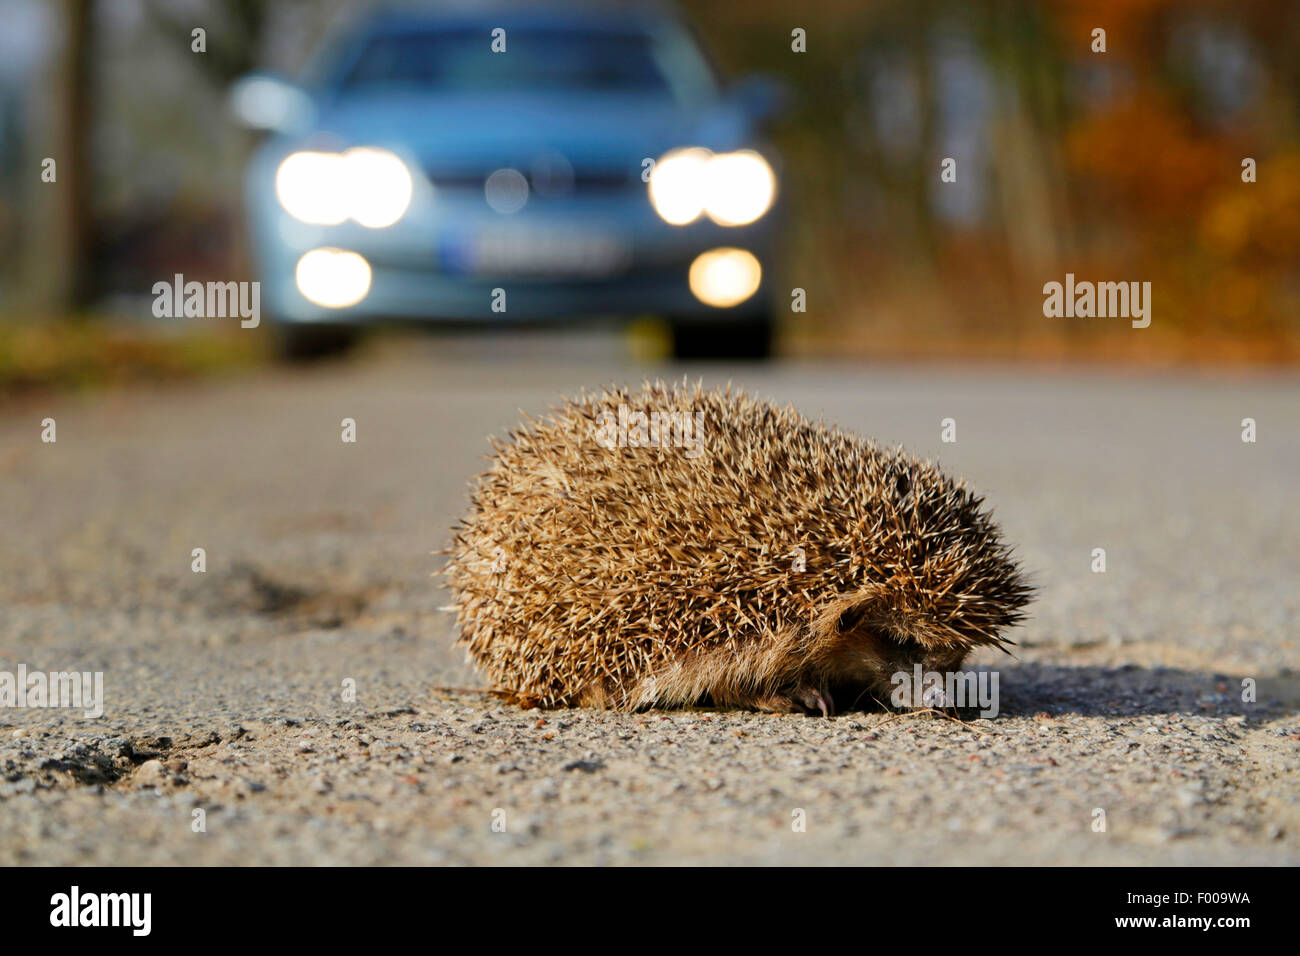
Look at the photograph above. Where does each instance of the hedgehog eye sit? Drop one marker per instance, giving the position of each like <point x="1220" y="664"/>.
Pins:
<point x="849" y="620"/>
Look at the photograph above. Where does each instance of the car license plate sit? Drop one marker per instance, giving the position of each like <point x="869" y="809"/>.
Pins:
<point x="538" y="254"/>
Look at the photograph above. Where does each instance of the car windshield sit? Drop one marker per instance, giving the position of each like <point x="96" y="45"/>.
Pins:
<point x="462" y="60"/>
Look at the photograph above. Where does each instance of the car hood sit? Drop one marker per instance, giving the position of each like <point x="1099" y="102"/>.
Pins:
<point x="486" y="131"/>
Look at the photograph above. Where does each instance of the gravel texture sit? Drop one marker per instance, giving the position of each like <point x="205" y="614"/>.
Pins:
<point x="225" y="689"/>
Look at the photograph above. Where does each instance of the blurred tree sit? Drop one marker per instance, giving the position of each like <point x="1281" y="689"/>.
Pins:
<point x="71" y="239"/>
<point x="237" y="45"/>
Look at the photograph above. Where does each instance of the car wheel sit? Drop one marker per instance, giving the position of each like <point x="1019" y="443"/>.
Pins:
<point x="294" y="342"/>
<point x="734" y="339"/>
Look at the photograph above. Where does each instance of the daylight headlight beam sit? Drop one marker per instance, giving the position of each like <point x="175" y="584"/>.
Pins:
<point x="732" y="189"/>
<point x="371" y="186"/>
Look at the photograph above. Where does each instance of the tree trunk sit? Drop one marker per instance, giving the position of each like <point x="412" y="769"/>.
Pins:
<point x="71" y="253"/>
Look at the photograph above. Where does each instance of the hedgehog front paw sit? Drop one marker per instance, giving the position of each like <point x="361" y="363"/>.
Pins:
<point x="804" y="699"/>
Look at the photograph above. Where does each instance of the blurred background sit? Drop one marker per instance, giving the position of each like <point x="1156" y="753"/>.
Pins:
<point x="1125" y="165"/>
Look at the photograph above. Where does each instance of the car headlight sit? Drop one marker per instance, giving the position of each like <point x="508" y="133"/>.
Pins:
<point x="677" y="185"/>
<point x="725" y="277"/>
<point x="372" y="186"/>
<point x="307" y="186"/>
<point x="733" y="189"/>
<point x="333" y="278"/>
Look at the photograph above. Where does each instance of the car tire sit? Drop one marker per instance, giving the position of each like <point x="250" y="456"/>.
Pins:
<point x="750" y="339"/>
<point x="309" y="342"/>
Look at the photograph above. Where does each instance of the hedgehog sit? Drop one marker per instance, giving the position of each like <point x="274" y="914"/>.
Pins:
<point x="682" y="547"/>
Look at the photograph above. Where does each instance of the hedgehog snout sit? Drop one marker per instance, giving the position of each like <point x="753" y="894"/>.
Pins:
<point x="870" y="661"/>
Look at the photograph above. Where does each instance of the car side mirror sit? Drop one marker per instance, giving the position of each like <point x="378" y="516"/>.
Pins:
<point x="761" y="96"/>
<point x="270" y="103"/>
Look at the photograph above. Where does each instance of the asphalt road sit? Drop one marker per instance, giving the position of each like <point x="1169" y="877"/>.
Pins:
<point x="226" y="737"/>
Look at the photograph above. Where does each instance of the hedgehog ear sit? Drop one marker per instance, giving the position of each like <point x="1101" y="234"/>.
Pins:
<point x="869" y="611"/>
<point x="857" y="611"/>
